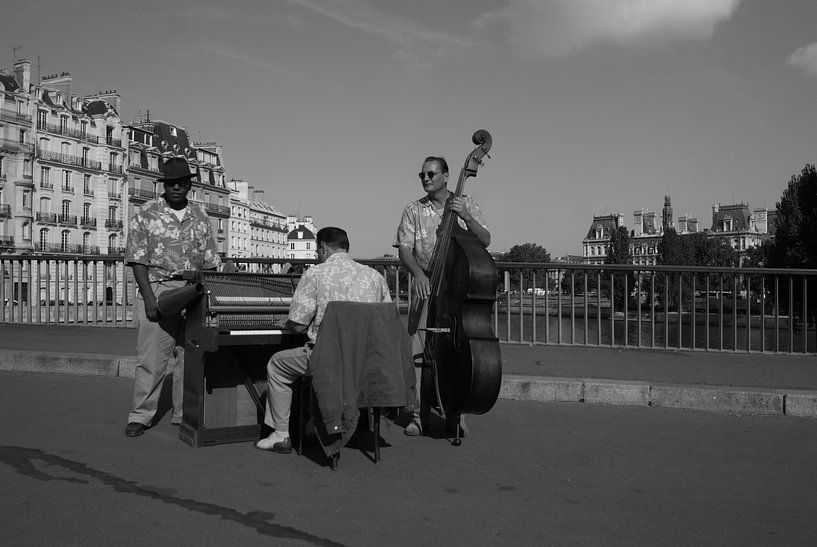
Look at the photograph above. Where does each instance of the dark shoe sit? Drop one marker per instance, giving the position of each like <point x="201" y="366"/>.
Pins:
<point x="134" y="429"/>
<point x="275" y="443"/>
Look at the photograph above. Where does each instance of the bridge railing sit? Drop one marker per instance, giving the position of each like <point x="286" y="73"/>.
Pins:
<point x="666" y="307"/>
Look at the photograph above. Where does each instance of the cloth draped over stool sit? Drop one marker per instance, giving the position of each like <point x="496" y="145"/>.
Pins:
<point x="362" y="359"/>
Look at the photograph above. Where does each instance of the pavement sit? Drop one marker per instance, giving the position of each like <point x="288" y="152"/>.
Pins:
<point x="737" y="383"/>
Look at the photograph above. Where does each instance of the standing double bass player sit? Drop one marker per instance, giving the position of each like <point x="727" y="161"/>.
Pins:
<point x="416" y="240"/>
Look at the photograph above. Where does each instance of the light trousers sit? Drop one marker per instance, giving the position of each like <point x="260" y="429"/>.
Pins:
<point x="158" y="353"/>
<point x="283" y="369"/>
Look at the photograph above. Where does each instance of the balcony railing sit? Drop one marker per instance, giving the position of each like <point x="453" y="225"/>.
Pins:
<point x="68" y="188"/>
<point x="6" y="241"/>
<point x="47" y="185"/>
<point x="89" y="249"/>
<point x="217" y="209"/>
<point x="88" y="192"/>
<point x="13" y="116"/>
<point x="67" y="220"/>
<point x="114" y="195"/>
<point x="113" y="142"/>
<point x="14" y="146"/>
<point x="68" y="132"/>
<point x="68" y="159"/>
<point x="113" y="168"/>
<point x="141" y="193"/>
<point x="47" y="218"/>
<point x="115" y="250"/>
<point x="5" y="210"/>
<point x="115" y="224"/>
<point x="87" y="222"/>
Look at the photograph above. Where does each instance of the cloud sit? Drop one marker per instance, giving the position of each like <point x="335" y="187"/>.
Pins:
<point x="805" y="58"/>
<point x="560" y="27"/>
<point x="251" y="61"/>
<point x="413" y="40"/>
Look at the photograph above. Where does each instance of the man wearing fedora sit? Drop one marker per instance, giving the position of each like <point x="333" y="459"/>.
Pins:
<point x="166" y="236"/>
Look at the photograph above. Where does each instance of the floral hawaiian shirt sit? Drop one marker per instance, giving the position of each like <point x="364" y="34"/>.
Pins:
<point x="167" y="246"/>
<point x="339" y="278"/>
<point x="418" y="227"/>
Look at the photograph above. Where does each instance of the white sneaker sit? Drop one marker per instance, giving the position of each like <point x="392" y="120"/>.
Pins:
<point x="276" y="442"/>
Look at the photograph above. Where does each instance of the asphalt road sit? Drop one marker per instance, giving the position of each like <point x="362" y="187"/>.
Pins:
<point x="530" y="474"/>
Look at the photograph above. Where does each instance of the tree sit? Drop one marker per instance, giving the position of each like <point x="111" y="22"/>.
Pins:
<point x="795" y="240"/>
<point x="618" y="252"/>
<point x="531" y="253"/>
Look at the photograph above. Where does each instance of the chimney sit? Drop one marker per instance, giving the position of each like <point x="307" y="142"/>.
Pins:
<point x="259" y="195"/>
<point x="110" y="96"/>
<point x="22" y="73"/>
<point x="638" y="222"/>
<point x="250" y="192"/>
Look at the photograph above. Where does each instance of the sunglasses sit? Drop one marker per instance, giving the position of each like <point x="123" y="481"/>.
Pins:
<point x="428" y="174"/>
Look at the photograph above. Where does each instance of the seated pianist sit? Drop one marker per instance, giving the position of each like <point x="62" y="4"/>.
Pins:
<point x="335" y="277"/>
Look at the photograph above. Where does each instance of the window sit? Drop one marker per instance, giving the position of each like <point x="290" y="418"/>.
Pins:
<point x="65" y="238"/>
<point x="83" y="128"/>
<point x="85" y="156"/>
<point x="86" y="211"/>
<point x="66" y="180"/>
<point x="44" y="238"/>
<point x="112" y="243"/>
<point x="112" y="212"/>
<point x="45" y="205"/>
<point x="27" y="231"/>
<point x="42" y="119"/>
<point x="86" y="185"/>
<point x="66" y="208"/>
<point x="86" y="241"/>
<point x="22" y="136"/>
<point x="292" y="248"/>
<point x="26" y="198"/>
<point x="45" y="174"/>
<point x="63" y="124"/>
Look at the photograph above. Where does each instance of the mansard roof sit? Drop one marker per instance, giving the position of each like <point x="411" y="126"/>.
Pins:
<point x="307" y="233"/>
<point x="739" y="213"/>
<point x="8" y="82"/>
<point x="97" y="108"/>
<point x="608" y="224"/>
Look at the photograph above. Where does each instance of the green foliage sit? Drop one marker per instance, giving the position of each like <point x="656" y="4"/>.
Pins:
<point x="618" y="251"/>
<point x="795" y="240"/>
<point x="527" y="252"/>
<point x="795" y="244"/>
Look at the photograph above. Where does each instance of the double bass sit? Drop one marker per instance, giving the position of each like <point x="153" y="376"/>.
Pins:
<point x="463" y="361"/>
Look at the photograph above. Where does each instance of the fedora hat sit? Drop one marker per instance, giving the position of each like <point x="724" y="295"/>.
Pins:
<point x="175" y="169"/>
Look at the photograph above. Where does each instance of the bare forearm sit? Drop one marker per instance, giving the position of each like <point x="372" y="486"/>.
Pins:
<point x="140" y="274"/>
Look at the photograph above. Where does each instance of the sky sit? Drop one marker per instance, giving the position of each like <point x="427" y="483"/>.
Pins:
<point x="594" y="106"/>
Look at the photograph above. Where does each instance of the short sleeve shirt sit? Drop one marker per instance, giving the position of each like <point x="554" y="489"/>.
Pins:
<point x="167" y="245"/>
<point x="418" y="228"/>
<point x="338" y="278"/>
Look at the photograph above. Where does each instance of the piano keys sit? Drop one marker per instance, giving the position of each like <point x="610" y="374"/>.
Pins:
<point x="230" y="334"/>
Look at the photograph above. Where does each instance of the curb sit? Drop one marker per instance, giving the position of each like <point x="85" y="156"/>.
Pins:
<point x="726" y="399"/>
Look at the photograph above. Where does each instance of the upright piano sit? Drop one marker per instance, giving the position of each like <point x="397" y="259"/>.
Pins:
<point x="230" y="332"/>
